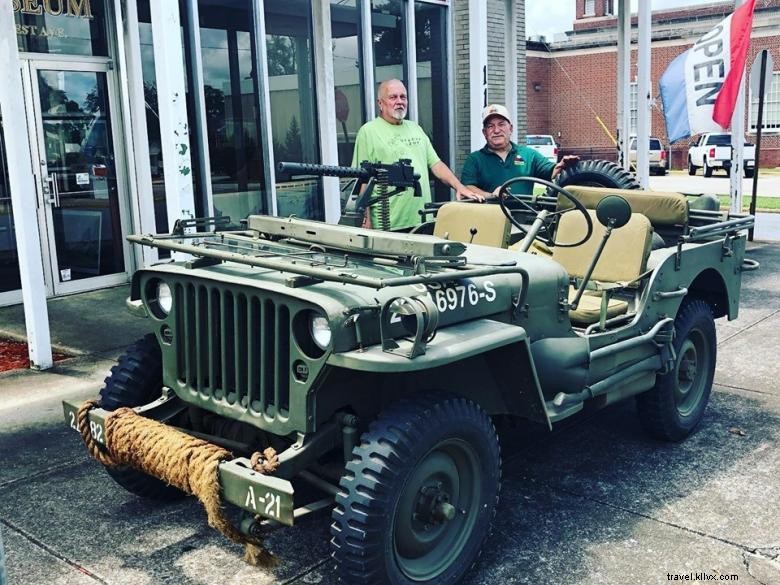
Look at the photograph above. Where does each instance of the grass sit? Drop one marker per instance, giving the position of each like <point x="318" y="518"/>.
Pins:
<point x="764" y="204"/>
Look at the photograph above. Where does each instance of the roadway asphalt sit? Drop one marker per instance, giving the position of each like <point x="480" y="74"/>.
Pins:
<point x="594" y="502"/>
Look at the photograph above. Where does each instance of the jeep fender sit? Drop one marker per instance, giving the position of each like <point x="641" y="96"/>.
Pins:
<point x="487" y="361"/>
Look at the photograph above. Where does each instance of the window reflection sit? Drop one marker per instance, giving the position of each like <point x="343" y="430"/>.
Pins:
<point x="67" y="27"/>
<point x="232" y="121"/>
<point x="387" y="28"/>
<point x="432" y="104"/>
<point x="347" y="67"/>
<point x="293" y="103"/>
<point x="9" y="258"/>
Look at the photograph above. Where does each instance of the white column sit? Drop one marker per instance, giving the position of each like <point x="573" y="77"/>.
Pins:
<point x="264" y="105"/>
<point x="326" y="106"/>
<point x="411" y="62"/>
<point x="624" y="79"/>
<point x="510" y="63"/>
<point x="367" y="50"/>
<point x="643" y="97"/>
<point x="477" y="69"/>
<point x="738" y="144"/>
<point x="200" y="134"/>
<point x="172" y="107"/>
<point x="22" y="184"/>
<point x="134" y="111"/>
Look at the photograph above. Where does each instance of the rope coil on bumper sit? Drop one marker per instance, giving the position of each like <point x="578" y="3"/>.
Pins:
<point x="183" y="461"/>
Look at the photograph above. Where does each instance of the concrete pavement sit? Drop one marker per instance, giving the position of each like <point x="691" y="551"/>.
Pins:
<point x="594" y="502"/>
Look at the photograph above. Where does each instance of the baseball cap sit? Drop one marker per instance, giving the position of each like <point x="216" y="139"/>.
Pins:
<point x="496" y="110"/>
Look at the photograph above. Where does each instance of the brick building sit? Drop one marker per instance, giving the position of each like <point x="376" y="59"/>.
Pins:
<point x="571" y="83"/>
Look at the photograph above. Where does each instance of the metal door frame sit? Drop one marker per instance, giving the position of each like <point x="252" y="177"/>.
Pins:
<point x="35" y="128"/>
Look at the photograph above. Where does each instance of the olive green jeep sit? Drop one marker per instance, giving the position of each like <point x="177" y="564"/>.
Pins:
<point x="376" y="363"/>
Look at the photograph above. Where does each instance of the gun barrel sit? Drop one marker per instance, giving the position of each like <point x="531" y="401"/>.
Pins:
<point x="294" y="168"/>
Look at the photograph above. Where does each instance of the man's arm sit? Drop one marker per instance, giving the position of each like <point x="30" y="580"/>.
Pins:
<point x="446" y="176"/>
<point x="567" y="161"/>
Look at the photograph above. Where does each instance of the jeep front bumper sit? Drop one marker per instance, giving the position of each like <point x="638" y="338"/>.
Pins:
<point x="264" y="495"/>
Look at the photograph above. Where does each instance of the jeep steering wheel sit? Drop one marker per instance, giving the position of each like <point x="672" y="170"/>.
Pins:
<point x="543" y="216"/>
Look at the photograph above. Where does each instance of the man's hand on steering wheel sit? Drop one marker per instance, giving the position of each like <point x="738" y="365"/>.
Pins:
<point x="543" y="216"/>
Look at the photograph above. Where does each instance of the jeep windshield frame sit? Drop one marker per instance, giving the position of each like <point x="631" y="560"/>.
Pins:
<point x="318" y="262"/>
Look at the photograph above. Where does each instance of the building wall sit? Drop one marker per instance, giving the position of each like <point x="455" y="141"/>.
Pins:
<point x="579" y="85"/>
<point x="460" y="85"/>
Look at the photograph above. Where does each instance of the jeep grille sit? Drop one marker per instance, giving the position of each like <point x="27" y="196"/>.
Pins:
<point x="233" y="347"/>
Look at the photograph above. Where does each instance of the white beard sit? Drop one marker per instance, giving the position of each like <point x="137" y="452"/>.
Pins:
<point x="398" y="114"/>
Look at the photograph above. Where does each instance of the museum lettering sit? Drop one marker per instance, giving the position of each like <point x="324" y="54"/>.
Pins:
<point x="77" y="8"/>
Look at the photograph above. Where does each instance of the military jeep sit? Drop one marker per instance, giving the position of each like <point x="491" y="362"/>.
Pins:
<point x="376" y="363"/>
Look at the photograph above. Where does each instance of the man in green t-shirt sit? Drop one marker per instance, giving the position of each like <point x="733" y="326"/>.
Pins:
<point x="486" y="169"/>
<point x="387" y="139"/>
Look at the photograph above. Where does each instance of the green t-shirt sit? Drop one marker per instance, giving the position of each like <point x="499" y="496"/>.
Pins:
<point x="483" y="168"/>
<point x="378" y="141"/>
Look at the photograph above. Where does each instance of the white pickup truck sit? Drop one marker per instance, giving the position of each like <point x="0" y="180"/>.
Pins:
<point x="713" y="151"/>
<point x="544" y="144"/>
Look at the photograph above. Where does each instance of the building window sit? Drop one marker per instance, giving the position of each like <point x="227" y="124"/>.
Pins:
<point x="590" y="8"/>
<point x="609" y="9"/>
<point x="62" y="28"/>
<point x="9" y="258"/>
<point x="634" y="108"/>
<point x="388" y="28"/>
<point x="347" y="67"/>
<point x="232" y="123"/>
<point x="430" y="23"/>
<point x="771" y="113"/>
<point x="289" y="45"/>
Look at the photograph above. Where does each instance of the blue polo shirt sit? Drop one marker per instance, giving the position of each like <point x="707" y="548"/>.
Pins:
<point x="483" y="168"/>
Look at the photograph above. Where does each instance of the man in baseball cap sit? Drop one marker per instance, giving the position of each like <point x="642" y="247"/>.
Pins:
<point x="486" y="169"/>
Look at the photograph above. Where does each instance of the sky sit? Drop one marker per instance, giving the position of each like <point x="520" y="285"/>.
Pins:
<point x="546" y="17"/>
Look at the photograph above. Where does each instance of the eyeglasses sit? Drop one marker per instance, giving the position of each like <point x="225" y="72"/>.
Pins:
<point x="498" y="124"/>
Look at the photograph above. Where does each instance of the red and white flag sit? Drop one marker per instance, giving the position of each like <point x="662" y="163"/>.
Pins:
<point x="699" y="89"/>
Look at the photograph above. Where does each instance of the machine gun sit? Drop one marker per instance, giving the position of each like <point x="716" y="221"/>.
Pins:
<point x="381" y="181"/>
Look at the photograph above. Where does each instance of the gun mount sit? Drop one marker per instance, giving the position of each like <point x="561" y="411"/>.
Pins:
<point x="373" y="186"/>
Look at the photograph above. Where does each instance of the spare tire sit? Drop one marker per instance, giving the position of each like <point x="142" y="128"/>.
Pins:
<point x="598" y="173"/>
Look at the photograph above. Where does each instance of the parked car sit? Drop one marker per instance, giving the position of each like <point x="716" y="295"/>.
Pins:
<point x="658" y="163"/>
<point x="713" y="151"/>
<point x="545" y="144"/>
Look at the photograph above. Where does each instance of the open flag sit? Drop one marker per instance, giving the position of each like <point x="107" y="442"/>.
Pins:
<point x="699" y="89"/>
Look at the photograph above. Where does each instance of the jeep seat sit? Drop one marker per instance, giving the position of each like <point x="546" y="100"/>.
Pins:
<point x="622" y="263"/>
<point x="473" y="223"/>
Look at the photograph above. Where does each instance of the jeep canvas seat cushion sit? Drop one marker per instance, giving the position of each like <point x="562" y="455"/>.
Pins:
<point x="622" y="261"/>
<point x="660" y="207"/>
<point x="473" y="223"/>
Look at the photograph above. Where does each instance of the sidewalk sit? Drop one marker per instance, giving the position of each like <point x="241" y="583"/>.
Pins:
<point x="594" y="502"/>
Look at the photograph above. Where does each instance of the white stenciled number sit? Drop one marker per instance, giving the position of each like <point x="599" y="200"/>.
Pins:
<point x="441" y="300"/>
<point x="272" y="505"/>
<point x="452" y="298"/>
<point x="473" y="294"/>
<point x="73" y="420"/>
<point x="96" y="431"/>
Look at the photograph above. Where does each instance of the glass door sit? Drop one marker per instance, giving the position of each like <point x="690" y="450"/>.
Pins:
<point x="79" y="177"/>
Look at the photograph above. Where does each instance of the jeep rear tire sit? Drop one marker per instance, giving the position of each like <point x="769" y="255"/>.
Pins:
<point x="597" y="173"/>
<point x="672" y="409"/>
<point x="136" y="380"/>
<point x="691" y="167"/>
<point x="419" y="494"/>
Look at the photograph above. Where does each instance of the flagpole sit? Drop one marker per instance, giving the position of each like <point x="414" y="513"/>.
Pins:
<point x="737" y="143"/>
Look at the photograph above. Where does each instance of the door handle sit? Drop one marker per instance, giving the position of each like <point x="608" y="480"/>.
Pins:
<point x="53" y="190"/>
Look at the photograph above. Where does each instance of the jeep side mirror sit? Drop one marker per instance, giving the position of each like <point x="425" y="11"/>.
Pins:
<point x="613" y="211"/>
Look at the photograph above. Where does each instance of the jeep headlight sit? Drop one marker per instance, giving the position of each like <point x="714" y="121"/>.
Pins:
<point x="159" y="298"/>
<point x="320" y="330"/>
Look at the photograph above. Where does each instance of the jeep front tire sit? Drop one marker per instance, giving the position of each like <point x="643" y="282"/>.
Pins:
<point x="418" y="497"/>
